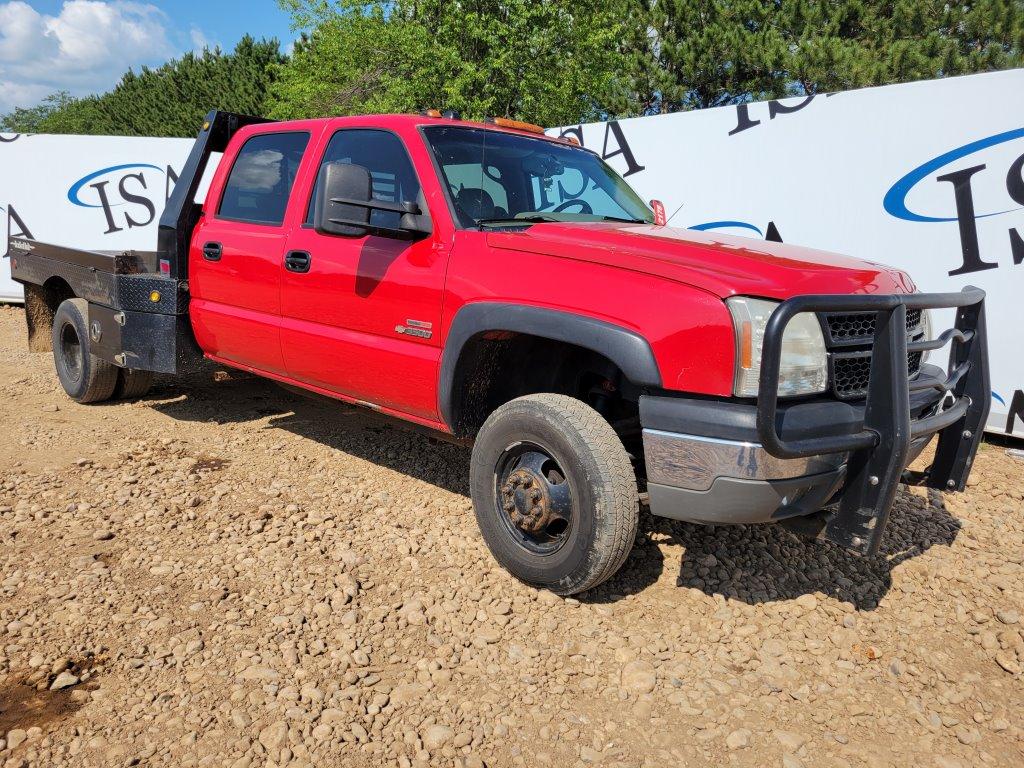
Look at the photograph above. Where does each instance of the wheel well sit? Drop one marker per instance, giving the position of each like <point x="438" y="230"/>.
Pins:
<point x="41" y="302"/>
<point x="497" y="366"/>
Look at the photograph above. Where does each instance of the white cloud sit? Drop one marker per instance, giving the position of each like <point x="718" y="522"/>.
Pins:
<point x="83" y="49"/>
<point x="200" y="41"/>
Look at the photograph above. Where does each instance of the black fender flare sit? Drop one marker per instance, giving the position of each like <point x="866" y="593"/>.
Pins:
<point x="627" y="349"/>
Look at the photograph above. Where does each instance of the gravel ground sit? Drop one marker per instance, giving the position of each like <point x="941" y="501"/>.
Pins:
<point x="227" y="574"/>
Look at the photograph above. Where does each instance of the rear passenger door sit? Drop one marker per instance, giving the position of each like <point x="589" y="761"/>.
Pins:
<point x="237" y="249"/>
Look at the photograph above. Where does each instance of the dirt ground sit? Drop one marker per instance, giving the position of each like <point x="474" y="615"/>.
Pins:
<point x="228" y="574"/>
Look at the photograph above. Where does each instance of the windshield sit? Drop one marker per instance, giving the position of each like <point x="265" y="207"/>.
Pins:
<point x="501" y="178"/>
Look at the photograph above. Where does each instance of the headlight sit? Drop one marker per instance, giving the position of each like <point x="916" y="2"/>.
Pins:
<point x="804" y="365"/>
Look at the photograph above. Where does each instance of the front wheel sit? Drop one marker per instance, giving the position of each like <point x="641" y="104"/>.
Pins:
<point x="554" y="493"/>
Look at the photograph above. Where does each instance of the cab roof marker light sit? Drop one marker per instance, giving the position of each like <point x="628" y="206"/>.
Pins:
<point x="518" y="125"/>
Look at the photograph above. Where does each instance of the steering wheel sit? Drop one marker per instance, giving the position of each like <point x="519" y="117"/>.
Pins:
<point x="584" y="206"/>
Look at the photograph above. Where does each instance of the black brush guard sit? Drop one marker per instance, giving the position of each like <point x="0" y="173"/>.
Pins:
<point x="879" y="451"/>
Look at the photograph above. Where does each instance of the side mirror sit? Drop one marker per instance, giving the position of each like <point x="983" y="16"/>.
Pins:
<point x="659" y="212"/>
<point x="344" y="201"/>
<point x="343" y="182"/>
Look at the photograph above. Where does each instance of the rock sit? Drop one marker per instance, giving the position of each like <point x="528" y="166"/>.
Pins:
<point x="738" y="739"/>
<point x="1007" y="661"/>
<point x="808" y="602"/>
<point x="436" y="736"/>
<point x="590" y="755"/>
<point x="789" y="740"/>
<point x="487" y="636"/>
<point x="1008" y="616"/>
<point x="63" y="680"/>
<point x="274" y="736"/>
<point x="15" y="738"/>
<point x="102" y="534"/>
<point x="332" y="715"/>
<point x="260" y="673"/>
<point x="407" y="692"/>
<point x="544" y="597"/>
<point x="638" y="677"/>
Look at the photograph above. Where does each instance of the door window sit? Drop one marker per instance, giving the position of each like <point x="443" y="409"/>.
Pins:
<point x="261" y="178"/>
<point x="383" y="155"/>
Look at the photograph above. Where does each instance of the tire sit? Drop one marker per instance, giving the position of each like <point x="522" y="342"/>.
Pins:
<point x="533" y="540"/>
<point x="132" y="383"/>
<point x="84" y="377"/>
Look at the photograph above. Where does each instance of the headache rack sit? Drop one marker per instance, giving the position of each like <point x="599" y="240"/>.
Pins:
<point x="879" y="451"/>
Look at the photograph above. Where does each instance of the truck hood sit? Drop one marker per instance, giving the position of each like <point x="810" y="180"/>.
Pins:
<point x="720" y="264"/>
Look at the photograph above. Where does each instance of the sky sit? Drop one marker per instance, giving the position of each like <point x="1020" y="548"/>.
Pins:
<point x="84" y="46"/>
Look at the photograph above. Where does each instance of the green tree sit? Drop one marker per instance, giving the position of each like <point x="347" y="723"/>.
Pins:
<point x="29" y="119"/>
<point x="172" y="99"/>
<point x="707" y="53"/>
<point x="548" y="61"/>
<point x="836" y="46"/>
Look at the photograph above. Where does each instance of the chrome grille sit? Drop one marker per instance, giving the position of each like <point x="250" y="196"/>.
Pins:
<point x="849" y="339"/>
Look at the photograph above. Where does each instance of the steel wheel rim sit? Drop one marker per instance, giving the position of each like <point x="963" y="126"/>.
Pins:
<point x="71" y="351"/>
<point x="534" y="498"/>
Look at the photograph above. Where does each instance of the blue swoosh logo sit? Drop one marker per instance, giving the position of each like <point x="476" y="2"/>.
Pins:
<point x="895" y="201"/>
<point x="997" y="397"/>
<point x="725" y="225"/>
<point x="77" y="186"/>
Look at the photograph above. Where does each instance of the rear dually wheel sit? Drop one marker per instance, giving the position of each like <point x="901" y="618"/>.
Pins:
<point x="84" y="377"/>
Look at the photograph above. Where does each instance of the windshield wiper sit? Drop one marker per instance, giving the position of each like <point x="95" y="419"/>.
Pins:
<point x="533" y="219"/>
<point x="624" y="220"/>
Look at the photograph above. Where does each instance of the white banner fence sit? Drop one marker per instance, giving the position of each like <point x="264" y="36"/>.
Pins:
<point x="98" y="192"/>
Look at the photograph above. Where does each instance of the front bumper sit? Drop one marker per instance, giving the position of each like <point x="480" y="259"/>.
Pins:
<point x="695" y="475"/>
<point x="730" y="462"/>
<point x="742" y="484"/>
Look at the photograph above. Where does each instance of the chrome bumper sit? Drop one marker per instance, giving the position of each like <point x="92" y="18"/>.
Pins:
<point x="693" y="462"/>
<point x="715" y="481"/>
<point x="710" y="480"/>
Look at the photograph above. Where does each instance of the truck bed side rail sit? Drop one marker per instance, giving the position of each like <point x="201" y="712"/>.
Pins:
<point x="879" y="451"/>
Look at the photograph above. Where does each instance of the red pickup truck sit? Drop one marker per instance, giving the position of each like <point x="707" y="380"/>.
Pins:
<point x="508" y="288"/>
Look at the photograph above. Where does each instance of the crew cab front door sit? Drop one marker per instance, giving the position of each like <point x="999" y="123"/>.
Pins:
<point x="235" y="258"/>
<point x="361" y="316"/>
